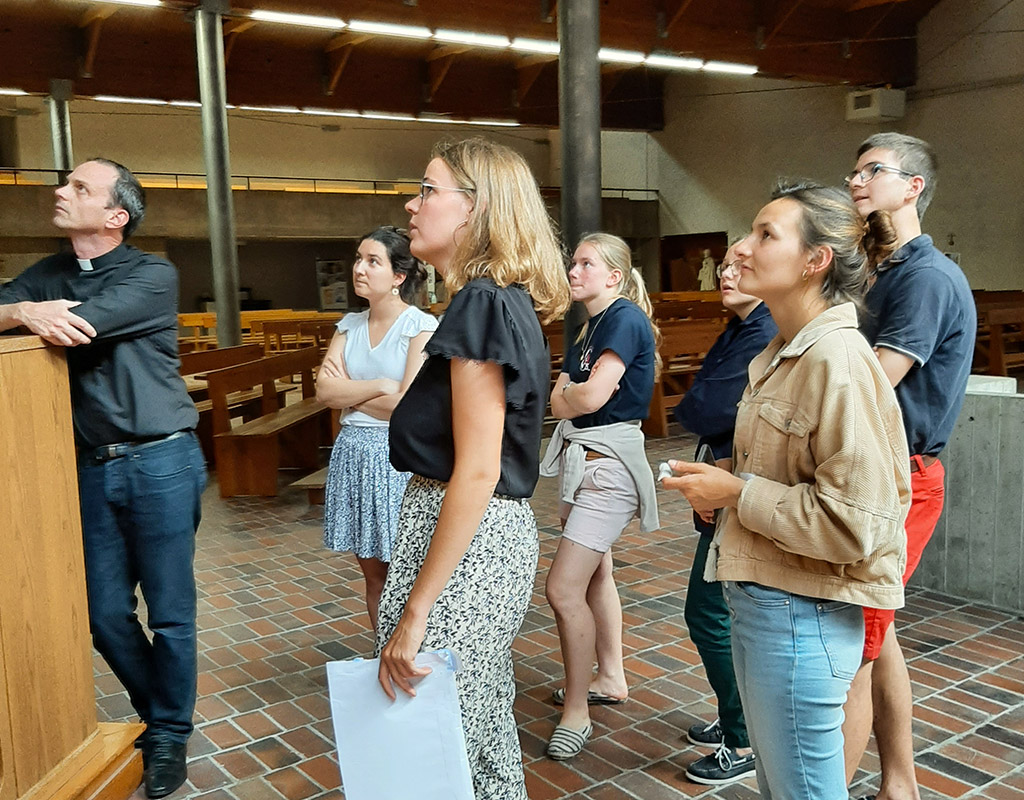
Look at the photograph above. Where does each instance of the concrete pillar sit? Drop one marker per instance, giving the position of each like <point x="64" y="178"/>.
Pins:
<point x="579" y="118"/>
<point x="220" y="204"/>
<point x="60" y="126"/>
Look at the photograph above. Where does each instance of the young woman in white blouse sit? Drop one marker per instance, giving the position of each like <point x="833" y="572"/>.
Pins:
<point x="370" y="363"/>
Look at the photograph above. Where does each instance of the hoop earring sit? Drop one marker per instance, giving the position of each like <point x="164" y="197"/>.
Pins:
<point x="804" y="276"/>
<point x="394" y="291"/>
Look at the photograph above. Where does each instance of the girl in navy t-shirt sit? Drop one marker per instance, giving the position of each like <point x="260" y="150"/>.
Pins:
<point x="601" y="396"/>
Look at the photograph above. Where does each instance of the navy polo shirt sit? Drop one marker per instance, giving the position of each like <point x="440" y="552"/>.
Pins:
<point x="624" y="329"/>
<point x="921" y="305"/>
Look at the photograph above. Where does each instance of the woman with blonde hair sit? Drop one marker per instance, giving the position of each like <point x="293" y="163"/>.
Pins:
<point x="812" y="529"/>
<point x="597" y="450"/>
<point x="469" y="430"/>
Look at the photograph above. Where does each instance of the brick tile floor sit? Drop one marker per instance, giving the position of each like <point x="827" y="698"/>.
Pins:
<point x="275" y="607"/>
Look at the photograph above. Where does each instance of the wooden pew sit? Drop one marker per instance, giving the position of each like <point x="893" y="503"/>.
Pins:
<point x="240" y="404"/>
<point x="686" y="297"/>
<point x="683" y="347"/>
<point x="999" y="347"/>
<point x="690" y="309"/>
<point x="295" y="332"/>
<point x="249" y="455"/>
<point x="197" y="330"/>
<point x="319" y="331"/>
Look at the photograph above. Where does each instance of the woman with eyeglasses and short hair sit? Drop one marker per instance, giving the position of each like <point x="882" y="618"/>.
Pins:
<point x="597" y="450"/>
<point x="370" y="362"/>
<point x="708" y="409"/>
<point x="469" y="430"/>
<point x="812" y="527"/>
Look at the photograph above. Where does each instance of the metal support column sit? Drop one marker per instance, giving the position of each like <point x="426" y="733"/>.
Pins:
<point x="60" y="126"/>
<point x="220" y="205"/>
<point x="579" y="114"/>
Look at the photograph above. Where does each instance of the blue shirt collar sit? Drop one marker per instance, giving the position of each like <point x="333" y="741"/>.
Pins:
<point x="915" y="245"/>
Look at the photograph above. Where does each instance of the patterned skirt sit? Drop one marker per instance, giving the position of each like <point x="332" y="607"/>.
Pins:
<point x="478" y="615"/>
<point x="363" y="494"/>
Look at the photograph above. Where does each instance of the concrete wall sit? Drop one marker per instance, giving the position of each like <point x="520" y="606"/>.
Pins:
<point x="163" y="139"/>
<point x="977" y="550"/>
<point x="726" y="140"/>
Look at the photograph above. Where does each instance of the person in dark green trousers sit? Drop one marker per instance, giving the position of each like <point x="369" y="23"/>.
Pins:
<point x="709" y="410"/>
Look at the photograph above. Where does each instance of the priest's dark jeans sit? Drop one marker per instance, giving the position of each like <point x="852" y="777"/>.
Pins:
<point x="140" y="512"/>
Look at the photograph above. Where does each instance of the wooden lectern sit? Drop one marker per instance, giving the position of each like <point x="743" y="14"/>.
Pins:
<point x="51" y="746"/>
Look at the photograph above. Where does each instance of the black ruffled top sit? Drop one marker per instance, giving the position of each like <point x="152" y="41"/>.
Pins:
<point x="484" y="322"/>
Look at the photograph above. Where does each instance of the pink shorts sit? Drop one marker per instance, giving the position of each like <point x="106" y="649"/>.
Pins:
<point x="602" y="507"/>
<point x="927" y="491"/>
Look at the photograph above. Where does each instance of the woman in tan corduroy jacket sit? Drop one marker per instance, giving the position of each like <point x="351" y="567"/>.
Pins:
<point x="820" y="485"/>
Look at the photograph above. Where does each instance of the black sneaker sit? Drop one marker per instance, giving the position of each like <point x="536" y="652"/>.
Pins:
<point x="723" y="766"/>
<point x="709" y="735"/>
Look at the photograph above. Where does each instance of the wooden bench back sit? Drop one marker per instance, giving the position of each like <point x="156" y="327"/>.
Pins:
<point x="296" y="332"/>
<point x="688" y="337"/>
<point x="685" y="297"/>
<point x="219" y="358"/>
<point x="264" y="373"/>
<point x="320" y="331"/>
<point x="679" y="309"/>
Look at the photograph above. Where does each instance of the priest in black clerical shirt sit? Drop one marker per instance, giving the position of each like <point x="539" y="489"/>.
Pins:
<point x="140" y="470"/>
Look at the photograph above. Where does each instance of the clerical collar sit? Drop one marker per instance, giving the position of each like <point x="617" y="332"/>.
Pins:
<point x="99" y="262"/>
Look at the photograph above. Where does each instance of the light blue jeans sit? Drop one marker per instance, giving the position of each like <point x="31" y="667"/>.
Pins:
<point x="794" y="659"/>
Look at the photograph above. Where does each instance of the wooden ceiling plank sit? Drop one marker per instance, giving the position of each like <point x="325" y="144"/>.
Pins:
<point x="438" y="68"/>
<point x="678" y="15"/>
<point x="859" y="5"/>
<point x="527" y="77"/>
<point x="535" y="58"/>
<point x="781" y="20"/>
<point x="340" y="61"/>
<point x="447" y="51"/>
<point x="346" y="40"/>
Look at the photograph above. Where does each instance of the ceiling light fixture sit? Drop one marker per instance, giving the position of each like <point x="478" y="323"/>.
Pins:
<point x="142" y="101"/>
<point x="731" y="69"/>
<point x="272" y="109"/>
<point x="329" y="112"/>
<point x="307" y="20"/>
<point x="611" y="55"/>
<point x="536" y="46"/>
<point x="389" y="29"/>
<point x="394" y="117"/>
<point x="468" y="37"/>
<point x="672" y="62"/>
<point x="13" y="92"/>
<point x="147" y="3"/>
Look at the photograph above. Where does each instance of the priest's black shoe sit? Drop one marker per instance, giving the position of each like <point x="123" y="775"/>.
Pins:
<point x="165" y="766"/>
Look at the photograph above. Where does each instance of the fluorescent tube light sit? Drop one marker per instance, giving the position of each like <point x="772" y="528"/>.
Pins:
<point x="389" y="29"/>
<point x="13" y="92"/>
<point x="673" y="62"/>
<point x="468" y="37"/>
<point x="613" y="56"/>
<point x="732" y="69"/>
<point x="272" y="109"/>
<point x="147" y="3"/>
<point x="536" y="46"/>
<point x="389" y="116"/>
<point x="307" y="20"/>
<point x="329" y="112"/>
<point x="142" y="101"/>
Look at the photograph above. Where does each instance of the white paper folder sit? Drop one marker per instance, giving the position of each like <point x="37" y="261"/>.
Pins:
<point x="412" y="747"/>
